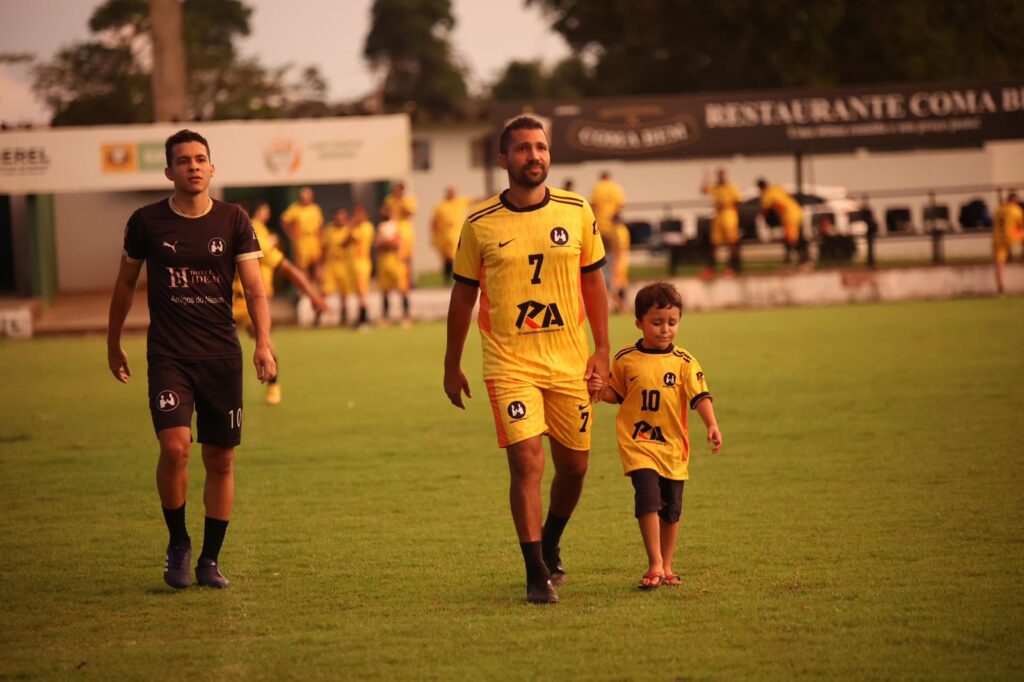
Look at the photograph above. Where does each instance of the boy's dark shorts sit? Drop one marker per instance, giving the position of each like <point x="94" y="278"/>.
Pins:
<point x="655" y="493"/>
<point x="213" y="388"/>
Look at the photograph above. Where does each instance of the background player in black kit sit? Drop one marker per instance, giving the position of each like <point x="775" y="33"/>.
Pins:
<point x="192" y="246"/>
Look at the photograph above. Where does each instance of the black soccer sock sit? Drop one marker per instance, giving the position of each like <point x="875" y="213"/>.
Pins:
<point x="552" y="533"/>
<point x="405" y="306"/>
<point x="536" y="569"/>
<point x="213" y="538"/>
<point x="175" y="520"/>
<point x="362" y="314"/>
<point x="385" y="305"/>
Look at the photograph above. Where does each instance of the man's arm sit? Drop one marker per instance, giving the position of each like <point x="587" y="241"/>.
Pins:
<point x="595" y="300"/>
<point x="460" y="313"/>
<point x="299" y="279"/>
<point x="259" y="313"/>
<point x="120" y="304"/>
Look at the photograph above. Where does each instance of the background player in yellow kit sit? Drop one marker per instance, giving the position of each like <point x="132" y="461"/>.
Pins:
<point x="335" y="273"/>
<point x="654" y="382"/>
<point x="608" y="199"/>
<point x="392" y="264"/>
<point x="302" y="222"/>
<point x="774" y="198"/>
<point x="1008" y="229"/>
<point x="725" y="226"/>
<point x="620" y="268"/>
<point x="448" y="218"/>
<point x="358" y="247"/>
<point x="535" y="257"/>
<point x="273" y="260"/>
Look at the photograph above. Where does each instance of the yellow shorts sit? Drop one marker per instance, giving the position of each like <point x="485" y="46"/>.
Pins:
<point x="523" y="410"/>
<point x="393" y="274"/>
<point x="360" y="274"/>
<point x="336" y="278"/>
<point x="1001" y="252"/>
<point x="725" y="227"/>
<point x="307" y="252"/>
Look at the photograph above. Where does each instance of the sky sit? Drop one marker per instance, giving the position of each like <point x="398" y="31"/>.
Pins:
<point x="325" y="33"/>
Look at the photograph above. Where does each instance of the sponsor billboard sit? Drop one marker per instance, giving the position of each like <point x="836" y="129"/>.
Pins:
<point x="777" y="122"/>
<point x="244" y="153"/>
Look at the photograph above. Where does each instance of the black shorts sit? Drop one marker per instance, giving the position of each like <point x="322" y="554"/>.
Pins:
<point x="213" y="388"/>
<point x="655" y="493"/>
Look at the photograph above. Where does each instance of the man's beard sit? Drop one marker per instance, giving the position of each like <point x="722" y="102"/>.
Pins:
<point x="523" y="180"/>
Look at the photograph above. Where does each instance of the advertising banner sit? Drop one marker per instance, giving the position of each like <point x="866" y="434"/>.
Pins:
<point x="244" y="154"/>
<point x="777" y="121"/>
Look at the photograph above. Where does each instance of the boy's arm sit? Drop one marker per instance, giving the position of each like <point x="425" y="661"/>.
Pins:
<point x="707" y="413"/>
<point x="608" y="395"/>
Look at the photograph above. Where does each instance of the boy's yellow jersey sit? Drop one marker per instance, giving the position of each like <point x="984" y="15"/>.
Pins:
<point x="655" y="388"/>
<point x="724" y="196"/>
<point x="527" y="263"/>
<point x="362" y="241"/>
<point x="334" y="237"/>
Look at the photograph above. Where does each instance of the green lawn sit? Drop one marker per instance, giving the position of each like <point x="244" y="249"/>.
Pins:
<point x="864" y="520"/>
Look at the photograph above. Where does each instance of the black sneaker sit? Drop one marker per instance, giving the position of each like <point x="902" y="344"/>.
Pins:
<point x="553" y="560"/>
<point x="176" y="570"/>
<point x="208" y="575"/>
<point x="543" y="593"/>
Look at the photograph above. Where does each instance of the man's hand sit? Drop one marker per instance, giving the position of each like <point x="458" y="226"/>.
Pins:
<point x="319" y="304"/>
<point x="597" y="364"/>
<point x="266" y="365"/>
<point x="117" y="360"/>
<point x="714" y="439"/>
<point x="455" y="383"/>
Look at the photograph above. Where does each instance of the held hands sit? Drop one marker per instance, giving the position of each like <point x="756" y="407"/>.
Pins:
<point x="455" y="383"/>
<point x="597" y="366"/>
<point x="595" y="387"/>
<point x="117" y="360"/>
<point x="714" y="439"/>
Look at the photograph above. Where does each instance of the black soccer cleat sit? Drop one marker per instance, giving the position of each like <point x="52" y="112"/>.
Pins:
<point x="176" y="568"/>
<point x="541" y="593"/>
<point x="553" y="560"/>
<point x="209" y="575"/>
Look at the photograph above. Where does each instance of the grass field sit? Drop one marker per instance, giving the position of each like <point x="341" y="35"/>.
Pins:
<point x="865" y="519"/>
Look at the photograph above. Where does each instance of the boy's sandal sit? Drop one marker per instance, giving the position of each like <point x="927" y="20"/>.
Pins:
<point x="672" y="579"/>
<point x="650" y="581"/>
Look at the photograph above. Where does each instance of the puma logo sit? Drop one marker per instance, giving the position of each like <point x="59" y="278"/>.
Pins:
<point x="173" y="247"/>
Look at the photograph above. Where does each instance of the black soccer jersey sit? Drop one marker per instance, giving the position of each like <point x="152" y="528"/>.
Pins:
<point x="190" y="264"/>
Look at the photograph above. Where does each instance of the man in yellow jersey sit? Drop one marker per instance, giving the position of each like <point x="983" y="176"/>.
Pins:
<point x="302" y="222"/>
<point x="448" y="218"/>
<point x="358" y="246"/>
<point x="335" y="272"/>
<point x="620" y="268"/>
<point x="273" y="260"/>
<point x="392" y="266"/>
<point x="1008" y="229"/>
<point x="534" y="255"/>
<point x="400" y="204"/>
<point x="789" y="213"/>
<point x="608" y="199"/>
<point x="725" y="226"/>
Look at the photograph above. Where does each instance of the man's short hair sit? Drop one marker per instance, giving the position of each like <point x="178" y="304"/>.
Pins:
<point x="180" y="137"/>
<point x="657" y="295"/>
<point x="521" y="123"/>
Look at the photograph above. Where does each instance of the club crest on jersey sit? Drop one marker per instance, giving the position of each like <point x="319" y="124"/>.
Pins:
<point x="700" y="377"/>
<point x="643" y="431"/>
<point x="167" y="401"/>
<point x="516" y="410"/>
<point x="560" y="236"/>
<point x="216" y="246"/>
<point x="670" y="379"/>
<point x="538" y="317"/>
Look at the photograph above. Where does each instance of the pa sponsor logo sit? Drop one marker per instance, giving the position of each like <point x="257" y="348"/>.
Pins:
<point x="217" y="246"/>
<point x="559" y="236"/>
<point x="535" y="316"/>
<point x="516" y="410"/>
<point x="670" y="379"/>
<point x="642" y="431"/>
<point x="167" y="401"/>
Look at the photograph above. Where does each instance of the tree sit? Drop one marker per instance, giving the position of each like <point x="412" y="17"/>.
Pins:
<point x="569" y="78"/>
<point x="409" y="42"/>
<point x="108" y="80"/>
<point x="667" y="46"/>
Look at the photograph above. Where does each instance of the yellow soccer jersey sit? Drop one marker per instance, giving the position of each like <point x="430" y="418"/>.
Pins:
<point x="448" y="218"/>
<point x="361" y="236"/>
<point x="1008" y="225"/>
<point x="775" y="198"/>
<point x="654" y="388"/>
<point x="608" y="198"/>
<point x="527" y="263"/>
<point x="271" y="261"/>
<point x="334" y="237"/>
<point x="400" y="208"/>
<point x="308" y="219"/>
<point x="724" y="196"/>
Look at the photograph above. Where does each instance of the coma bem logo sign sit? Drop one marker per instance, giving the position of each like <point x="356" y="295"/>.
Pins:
<point x="633" y="129"/>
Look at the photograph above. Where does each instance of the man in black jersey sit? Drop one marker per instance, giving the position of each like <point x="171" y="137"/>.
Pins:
<point x="192" y="246"/>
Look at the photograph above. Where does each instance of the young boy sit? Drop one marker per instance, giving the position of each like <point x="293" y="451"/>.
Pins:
<point x="654" y="381"/>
